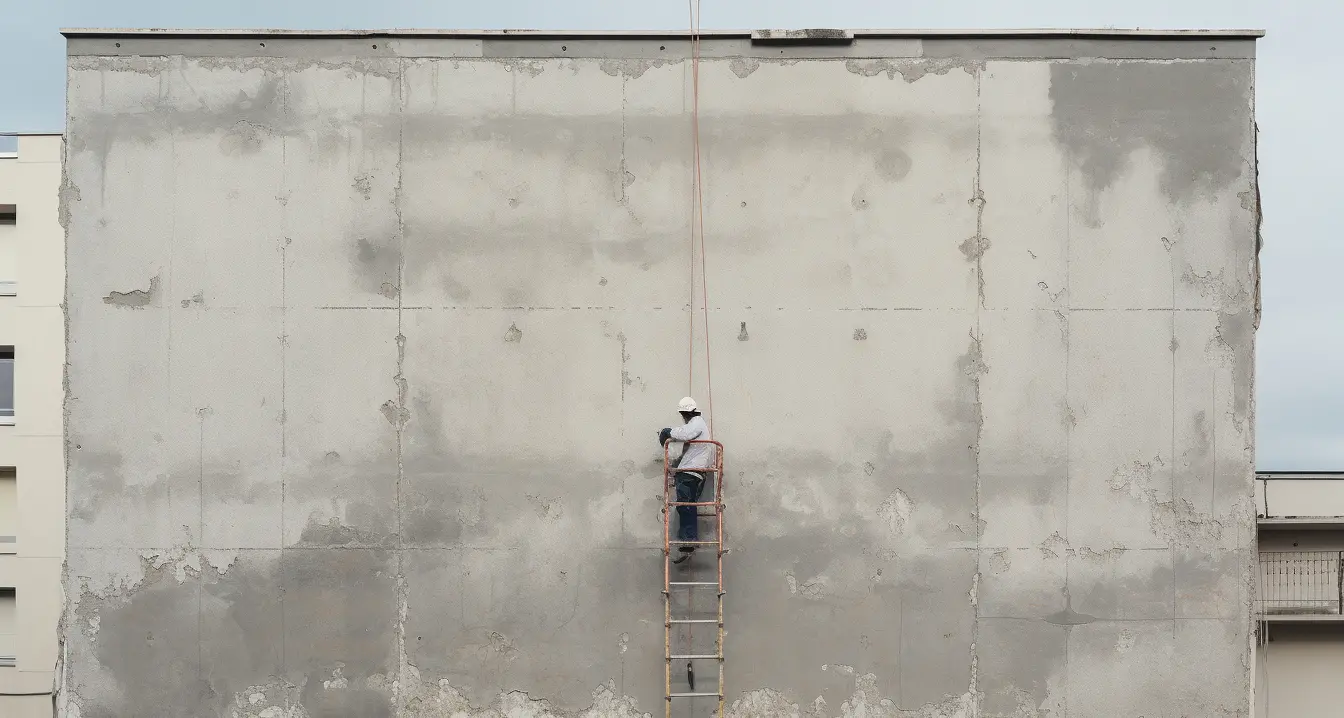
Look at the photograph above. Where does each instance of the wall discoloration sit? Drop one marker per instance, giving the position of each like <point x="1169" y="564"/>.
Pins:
<point x="482" y="536"/>
<point x="1193" y="115"/>
<point x="244" y="138"/>
<point x="377" y="262"/>
<point x="327" y="655"/>
<point x="892" y="165"/>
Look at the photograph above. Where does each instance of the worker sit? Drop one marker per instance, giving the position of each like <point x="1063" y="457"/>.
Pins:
<point x="694" y="463"/>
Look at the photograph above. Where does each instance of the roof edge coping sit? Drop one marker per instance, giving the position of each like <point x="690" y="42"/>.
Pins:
<point x="1109" y="33"/>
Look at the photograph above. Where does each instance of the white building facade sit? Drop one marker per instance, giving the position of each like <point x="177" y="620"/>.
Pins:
<point x="1299" y="604"/>
<point x="32" y="461"/>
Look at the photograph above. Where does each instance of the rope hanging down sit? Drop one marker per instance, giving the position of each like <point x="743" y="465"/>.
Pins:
<point x="698" y="222"/>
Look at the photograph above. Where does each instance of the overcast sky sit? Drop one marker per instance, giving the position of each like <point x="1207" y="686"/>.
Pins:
<point x="1300" y="407"/>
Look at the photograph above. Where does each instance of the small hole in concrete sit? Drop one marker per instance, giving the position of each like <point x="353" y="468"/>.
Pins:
<point x="262" y="44"/>
<point x="118" y="44"/>
<point x="375" y="47"/>
<point x="564" y="48"/>
<point x="662" y="47"/>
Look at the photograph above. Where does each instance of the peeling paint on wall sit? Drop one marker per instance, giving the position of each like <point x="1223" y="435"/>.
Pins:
<point x="135" y="298"/>
<point x="909" y="70"/>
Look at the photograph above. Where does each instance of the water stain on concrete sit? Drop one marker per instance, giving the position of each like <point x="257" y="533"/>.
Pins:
<point x="378" y="265"/>
<point x="1194" y="115"/>
<point x="243" y="138"/>
<point x="892" y="164"/>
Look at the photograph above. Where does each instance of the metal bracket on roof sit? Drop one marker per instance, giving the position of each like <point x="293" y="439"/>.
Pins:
<point x="815" y="36"/>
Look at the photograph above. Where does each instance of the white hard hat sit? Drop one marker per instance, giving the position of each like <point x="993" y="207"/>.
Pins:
<point x="687" y="405"/>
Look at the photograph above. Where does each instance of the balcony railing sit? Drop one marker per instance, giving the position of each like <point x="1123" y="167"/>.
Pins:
<point x="1299" y="499"/>
<point x="1300" y="583"/>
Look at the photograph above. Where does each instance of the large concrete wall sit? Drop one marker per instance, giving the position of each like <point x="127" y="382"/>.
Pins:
<point x="369" y="339"/>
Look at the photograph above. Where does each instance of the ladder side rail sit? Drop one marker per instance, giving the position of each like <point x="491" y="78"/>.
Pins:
<point x="667" y="587"/>
<point x="718" y="498"/>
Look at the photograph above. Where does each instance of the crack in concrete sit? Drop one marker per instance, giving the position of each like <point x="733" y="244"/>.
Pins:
<point x="975" y="247"/>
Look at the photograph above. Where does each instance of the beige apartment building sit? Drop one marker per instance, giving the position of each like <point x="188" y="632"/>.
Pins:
<point x="32" y="461"/>
<point x="1299" y="604"/>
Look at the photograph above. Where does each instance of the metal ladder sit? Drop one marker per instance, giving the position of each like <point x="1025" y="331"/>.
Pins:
<point x="690" y="587"/>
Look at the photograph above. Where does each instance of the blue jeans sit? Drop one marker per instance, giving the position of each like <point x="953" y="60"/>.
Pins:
<point x="689" y="486"/>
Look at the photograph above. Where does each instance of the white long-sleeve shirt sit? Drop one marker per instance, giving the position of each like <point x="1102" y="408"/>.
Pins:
<point x="695" y="456"/>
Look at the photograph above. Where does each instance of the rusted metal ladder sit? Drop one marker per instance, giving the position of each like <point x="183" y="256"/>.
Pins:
<point x="690" y="587"/>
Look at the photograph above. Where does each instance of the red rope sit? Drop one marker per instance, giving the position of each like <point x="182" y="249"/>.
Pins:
<point x="690" y="302"/>
<point x="698" y="216"/>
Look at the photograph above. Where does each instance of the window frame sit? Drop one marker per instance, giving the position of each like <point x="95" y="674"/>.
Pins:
<point x="11" y="592"/>
<point x="10" y="547"/>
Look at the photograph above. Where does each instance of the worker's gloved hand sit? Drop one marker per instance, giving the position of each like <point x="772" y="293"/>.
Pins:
<point x="664" y="436"/>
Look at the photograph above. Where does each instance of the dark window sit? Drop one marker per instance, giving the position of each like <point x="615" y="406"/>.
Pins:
<point x="6" y="382"/>
<point x="9" y="213"/>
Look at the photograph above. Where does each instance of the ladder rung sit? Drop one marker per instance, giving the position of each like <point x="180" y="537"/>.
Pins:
<point x="696" y="656"/>
<point x="670" y="696"/>
<point x="691" y="503"/>
<point x="692" y="583"/>
<point x="694" y="543"/>
<point x="693" y="620"/>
